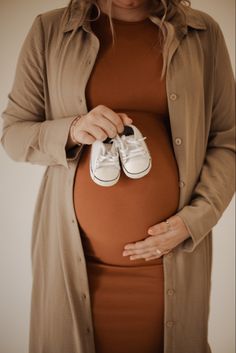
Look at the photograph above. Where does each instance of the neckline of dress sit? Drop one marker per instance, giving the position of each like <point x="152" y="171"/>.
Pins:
<point x="118" y="21"/>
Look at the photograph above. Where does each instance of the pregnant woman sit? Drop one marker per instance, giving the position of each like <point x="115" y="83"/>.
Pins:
<point x="127" y="296"/>
<point x="124" y="268"/>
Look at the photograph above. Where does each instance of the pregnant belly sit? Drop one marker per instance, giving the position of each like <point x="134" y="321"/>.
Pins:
<point x="111" y="217"/>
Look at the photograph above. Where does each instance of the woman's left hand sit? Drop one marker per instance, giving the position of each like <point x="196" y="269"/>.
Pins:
<point x="164" y="237"/>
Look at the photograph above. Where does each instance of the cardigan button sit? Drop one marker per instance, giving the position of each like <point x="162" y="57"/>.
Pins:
<point x="170" y="323"/>
<point x="173" y="96"/>
<point x="181" y="183"/>
<point x="170" y="291"/>
<point x="88" y="330"/>
<point x="84" y="296"/>
<point x="178" y="141"/>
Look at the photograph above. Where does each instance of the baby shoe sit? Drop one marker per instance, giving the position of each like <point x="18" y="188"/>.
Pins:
<point x="104" y="163"/>
<point x="135" y="157"/>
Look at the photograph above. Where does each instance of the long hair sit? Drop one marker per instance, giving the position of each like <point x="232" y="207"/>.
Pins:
<point x="170" y="17"/>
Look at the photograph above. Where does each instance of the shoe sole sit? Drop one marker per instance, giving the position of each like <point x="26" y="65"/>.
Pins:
<point x="137" y="175"/>
<point x="103" y="182"/>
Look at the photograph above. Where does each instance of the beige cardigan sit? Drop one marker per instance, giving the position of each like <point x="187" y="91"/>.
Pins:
<point x="48" y="91"/>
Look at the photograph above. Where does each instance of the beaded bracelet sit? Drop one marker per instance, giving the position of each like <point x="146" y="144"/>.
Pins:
<point x="72" y="130"/>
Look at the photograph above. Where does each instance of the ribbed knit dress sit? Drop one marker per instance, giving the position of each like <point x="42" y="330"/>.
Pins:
<point x="127" y="296"/>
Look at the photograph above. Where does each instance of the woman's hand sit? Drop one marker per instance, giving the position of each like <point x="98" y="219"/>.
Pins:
<point x="99" y="124"/>
<point x="163" y="237"/>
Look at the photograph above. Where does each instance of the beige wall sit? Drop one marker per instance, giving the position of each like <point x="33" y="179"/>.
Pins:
<point x="19" y="183"/>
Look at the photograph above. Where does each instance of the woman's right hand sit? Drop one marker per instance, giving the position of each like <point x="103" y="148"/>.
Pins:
<point x="100" y="123"/>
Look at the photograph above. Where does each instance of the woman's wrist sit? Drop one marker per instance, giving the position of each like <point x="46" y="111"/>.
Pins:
<point x="73" y="128"/>
<point x="72" y="140"/>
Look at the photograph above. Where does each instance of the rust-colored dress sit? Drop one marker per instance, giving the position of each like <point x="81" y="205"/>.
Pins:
<point x="127" y="296"/>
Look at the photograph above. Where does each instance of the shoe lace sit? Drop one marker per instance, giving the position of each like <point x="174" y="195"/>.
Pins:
<point x="129" y="146"/>
<point x="107" y="158"/>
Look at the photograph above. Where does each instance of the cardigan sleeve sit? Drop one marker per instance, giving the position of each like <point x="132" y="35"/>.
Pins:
<point x="216" y="185"/>
<point x="28" y="135"/>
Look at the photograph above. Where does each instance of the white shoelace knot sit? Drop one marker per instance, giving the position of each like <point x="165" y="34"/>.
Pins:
<point x="130" y="146"/>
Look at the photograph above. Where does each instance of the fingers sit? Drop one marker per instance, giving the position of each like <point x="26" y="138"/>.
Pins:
<point x="85" y="137"/>
<point x="99" y="124"/>
<point x="140" y="251"/>
<point x="149" y="254"/>
<point x="162" y="227"/>
<point x="154" y="240"/>
<point x="112" y="122"/>
<point x="146" y="255"/>
<point x="97" y="132"/>
<point x="107" y="127"/>
<point x="164" y="237"/>
<point x="143" y="244"/>
<point x="125" y="118"/>
<point x="118" y="119"/>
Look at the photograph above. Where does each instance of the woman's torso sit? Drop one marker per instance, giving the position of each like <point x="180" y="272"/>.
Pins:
<point x="127" y="79"/>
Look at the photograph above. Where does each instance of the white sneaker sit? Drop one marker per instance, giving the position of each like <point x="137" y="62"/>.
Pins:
<point x="134" y="154"/>
<point x="104" y="163"/>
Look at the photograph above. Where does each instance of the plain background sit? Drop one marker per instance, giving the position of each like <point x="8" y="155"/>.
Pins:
<point x="19" y="183"/>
